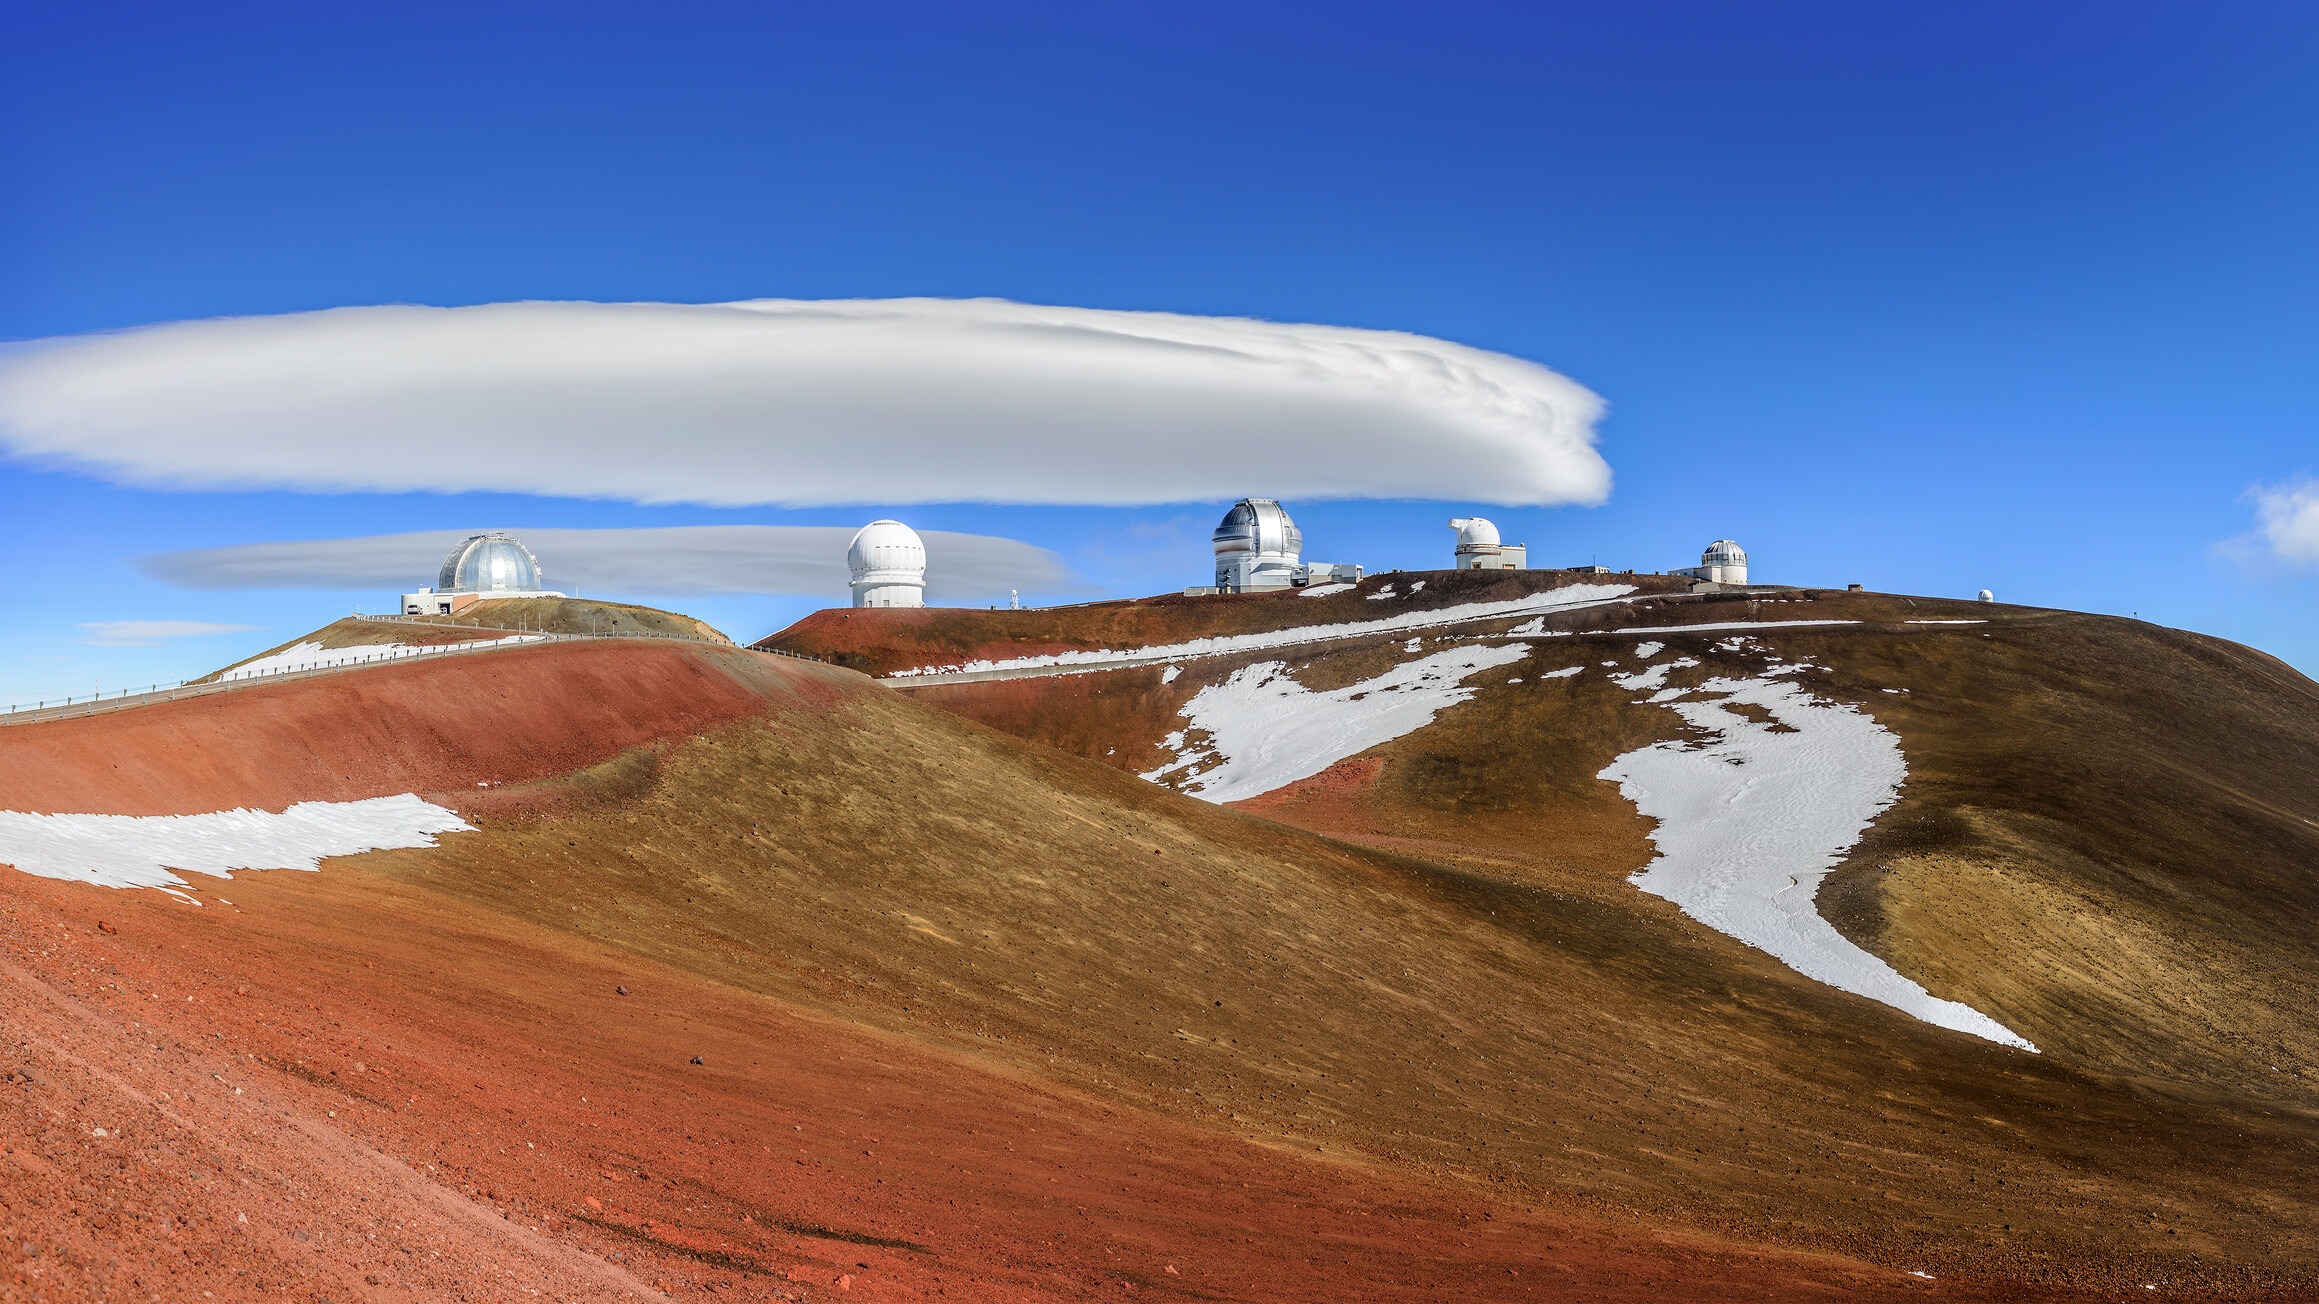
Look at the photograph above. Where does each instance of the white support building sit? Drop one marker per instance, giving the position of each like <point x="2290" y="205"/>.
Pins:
<point x="1478" y="546"/>
<point x="482" y="567"/>
<point x="1724" y="562"/>
<point x="888" y="561"/>
<point x="1258" y="548"/>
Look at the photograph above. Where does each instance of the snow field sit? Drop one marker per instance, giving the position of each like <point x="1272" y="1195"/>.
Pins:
<point x="141" y="850"/>
<point x="1260" y="730"/>
<point x="1750" y="823"/>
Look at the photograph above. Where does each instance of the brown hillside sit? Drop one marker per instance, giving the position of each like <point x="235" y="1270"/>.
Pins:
<point x="2105" y="840"/>
<point x="1472" y="1015"/>
<point x="880" y="641"/>
<point x="492" y="619"/>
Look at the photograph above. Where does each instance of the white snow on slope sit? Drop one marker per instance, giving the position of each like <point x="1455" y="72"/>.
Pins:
<point x="309" y="655"/>
<point x="1321" y="590"/>
<point x="141" y="850"/>
<point x="1261" y="730"/>
<point x="1677" y="629"/>
<point x="1568" y="598"/>
<point x="1648" y="650"/>
<point x="1653" y="678"/>
<point x="1751" y="822"/>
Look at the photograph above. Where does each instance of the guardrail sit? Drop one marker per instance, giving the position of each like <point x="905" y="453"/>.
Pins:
<point x="389" y="653"/>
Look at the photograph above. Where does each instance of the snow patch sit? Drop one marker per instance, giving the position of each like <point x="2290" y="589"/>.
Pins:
<point x="310" y="655"/>
<point x="141" y="850"/>
<point x="1752" y="821"/>
<point x="1322" y="590"/>
<point x="1168" y="676"/>
<point x="1648" y="650"/>
<point x="1653" y="678"/>
<point x="1564" y="673"/>
<point x="1382" y="594"/>
<point x="1261" y="730"/>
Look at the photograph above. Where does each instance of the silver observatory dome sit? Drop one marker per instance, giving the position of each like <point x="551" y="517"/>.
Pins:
<point x="1257" y="546"/>
<point x="485" y="563"/>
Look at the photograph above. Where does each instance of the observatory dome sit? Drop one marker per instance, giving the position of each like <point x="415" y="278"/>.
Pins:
<point x="1257" y="546"/>
<point x="490" y="563"/>
<point x="1475" y="532"/>
<point x="888" y="561"/>
<point x="1723" y="552"/>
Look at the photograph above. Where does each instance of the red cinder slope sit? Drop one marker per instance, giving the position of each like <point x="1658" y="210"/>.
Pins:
<point x="429" y="727"/>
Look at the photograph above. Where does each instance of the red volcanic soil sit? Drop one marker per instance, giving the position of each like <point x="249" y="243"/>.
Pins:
<point x="496" y="717"/>
<point x="335" y="1086"/>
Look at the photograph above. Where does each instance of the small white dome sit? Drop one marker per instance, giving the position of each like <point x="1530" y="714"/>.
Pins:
<point x="888" y="561"/>
<point x="1475" y="532"/>
<point x="1723" y="552"/>
<point x="1987" y="596"/>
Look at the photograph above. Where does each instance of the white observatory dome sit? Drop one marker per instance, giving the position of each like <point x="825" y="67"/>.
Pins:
<point x="1257" y="546"/>
<point x="1987" y="596"/>
<point x="1475" y="532"/>
<point x="489" y="563"/>
<point x="888" y="561"/>
<point x="1724" y="562"/>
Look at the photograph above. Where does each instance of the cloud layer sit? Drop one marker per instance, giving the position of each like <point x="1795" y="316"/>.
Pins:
<point x="800" y="559"/>
<point x="2287" y="521"/>
<point x="147" y="633"/>
<point x="800" y="403"/>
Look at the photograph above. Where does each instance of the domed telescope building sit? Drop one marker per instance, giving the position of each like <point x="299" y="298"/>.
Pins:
<point x="888" y="561"/>
<point x="1724" y="562"/>
<point x="1479" y="548"/>
<point x="483" y="566"/>
<point x="1259" y="548"/>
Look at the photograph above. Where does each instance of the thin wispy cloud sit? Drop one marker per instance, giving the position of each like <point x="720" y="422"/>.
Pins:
<point x="800" y="403"/>
<point x="687" y="559"/>
<point x="149" y="633"/>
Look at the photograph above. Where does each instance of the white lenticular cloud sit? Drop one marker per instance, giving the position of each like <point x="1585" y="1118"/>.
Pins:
<point x="2287" y="521"/>
<point x="674" y="559"/>
<point x="800" y="403"/>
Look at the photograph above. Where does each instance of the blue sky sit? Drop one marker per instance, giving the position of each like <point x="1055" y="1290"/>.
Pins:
<point x="1930" y="297"/>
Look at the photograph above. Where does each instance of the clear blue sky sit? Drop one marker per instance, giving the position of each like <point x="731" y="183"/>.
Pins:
<point x="1929" y="297"/>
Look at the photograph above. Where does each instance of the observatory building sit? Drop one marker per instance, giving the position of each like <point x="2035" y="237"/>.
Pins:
<point x="1724" y="562"/>
<point x="483" y="566"/>
<point x="1478" y="547"/>
<point x="1259" y="548"/>
<point x="888" y="561"/>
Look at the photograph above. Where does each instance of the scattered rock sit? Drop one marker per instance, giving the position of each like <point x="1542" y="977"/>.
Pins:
<point x="619" y="991"/>
<point x="104" y="927"/>
<point x="696" y="1059"/>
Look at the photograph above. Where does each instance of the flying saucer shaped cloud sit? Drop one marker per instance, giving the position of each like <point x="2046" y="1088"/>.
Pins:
<point x="801" y="403"/>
